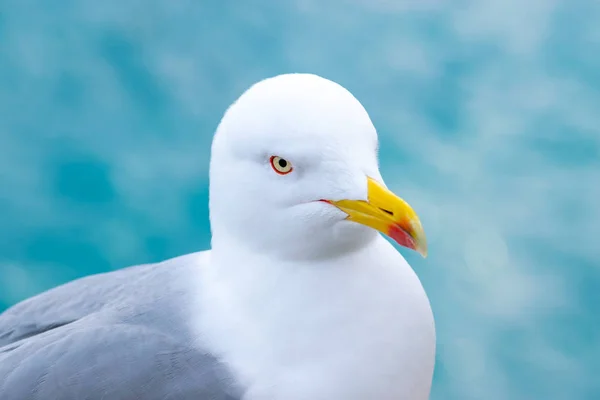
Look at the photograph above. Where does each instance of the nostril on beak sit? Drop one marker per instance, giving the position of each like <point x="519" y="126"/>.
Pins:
<point x="387" y="211"/>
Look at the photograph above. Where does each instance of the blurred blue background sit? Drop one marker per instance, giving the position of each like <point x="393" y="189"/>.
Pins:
<point x="489" y="118"/>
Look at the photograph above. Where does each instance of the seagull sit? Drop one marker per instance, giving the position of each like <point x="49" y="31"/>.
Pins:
<point x="300" y="297"/>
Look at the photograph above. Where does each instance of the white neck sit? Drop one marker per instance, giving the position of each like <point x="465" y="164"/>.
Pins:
<point x="325" y="330"/>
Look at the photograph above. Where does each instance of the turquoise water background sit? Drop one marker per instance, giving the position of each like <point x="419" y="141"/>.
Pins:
<point x="489" y="118"/>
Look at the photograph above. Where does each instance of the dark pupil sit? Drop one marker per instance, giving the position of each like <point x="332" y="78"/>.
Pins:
<point x="282" y="163"/>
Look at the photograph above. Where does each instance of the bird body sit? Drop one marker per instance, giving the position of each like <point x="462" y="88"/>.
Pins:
<point x="298" y="298"/>
<point x="334" y="329"/>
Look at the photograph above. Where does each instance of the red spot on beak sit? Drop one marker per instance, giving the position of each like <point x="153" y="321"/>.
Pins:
<point x="401" y="237"/>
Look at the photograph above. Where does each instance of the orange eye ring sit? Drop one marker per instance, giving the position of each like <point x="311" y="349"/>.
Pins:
<point x="281" y="165"/>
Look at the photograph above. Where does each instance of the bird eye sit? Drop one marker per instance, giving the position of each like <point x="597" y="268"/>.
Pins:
<point x="281" y="165"/>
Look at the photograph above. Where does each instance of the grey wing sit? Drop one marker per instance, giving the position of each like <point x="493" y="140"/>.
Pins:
<point x="109" y="336"/>
<point x="117" y="362"/>
<point x="65" y="304"/>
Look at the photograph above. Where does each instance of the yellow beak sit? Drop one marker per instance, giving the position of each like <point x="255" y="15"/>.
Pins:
<point x="387" y="213"/>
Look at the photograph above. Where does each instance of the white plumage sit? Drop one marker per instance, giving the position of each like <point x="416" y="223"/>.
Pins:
<point x="302" y="303"/>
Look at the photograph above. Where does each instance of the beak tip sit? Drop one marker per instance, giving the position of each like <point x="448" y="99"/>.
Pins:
<point x="419" y="238"/>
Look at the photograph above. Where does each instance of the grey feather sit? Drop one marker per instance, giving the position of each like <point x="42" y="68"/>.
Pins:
<point x="120" y="335"/>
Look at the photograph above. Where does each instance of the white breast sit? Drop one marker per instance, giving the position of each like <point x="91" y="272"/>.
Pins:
<point x="336" y="330"/>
